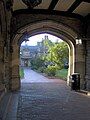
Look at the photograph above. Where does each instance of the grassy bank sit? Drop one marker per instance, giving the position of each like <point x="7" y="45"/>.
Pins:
<point x="21" y="73"/>
<point x="62" y="74"/>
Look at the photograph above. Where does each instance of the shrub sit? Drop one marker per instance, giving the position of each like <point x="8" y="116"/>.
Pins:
<point x="41" y="69"/>
<point x="51" y="70"/>
<point x="21" y="73"/>
<point x="37" y="63"/>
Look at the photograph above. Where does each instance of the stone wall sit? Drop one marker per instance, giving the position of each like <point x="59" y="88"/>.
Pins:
<point x="20" y="20"/>
<point x="88" y="26"/>
<point x="76" y="56"/>
<point x="9" y="66"/>
<point x="87" y="40"/>
<point x="2" y="38"/>
<point x="5" y="18"/>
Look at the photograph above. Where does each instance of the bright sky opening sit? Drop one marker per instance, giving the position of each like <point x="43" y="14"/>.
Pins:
<point x="38" y="38"/>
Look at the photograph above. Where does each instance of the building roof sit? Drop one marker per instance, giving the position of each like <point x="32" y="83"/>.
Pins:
<point x="30" y="48"/>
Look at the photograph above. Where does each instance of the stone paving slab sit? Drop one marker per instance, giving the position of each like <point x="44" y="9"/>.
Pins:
<point x="52" y="101"/>
<point x="12" y="109"/>
<point x="4" y="103"/>
<point x="41" y="98"/>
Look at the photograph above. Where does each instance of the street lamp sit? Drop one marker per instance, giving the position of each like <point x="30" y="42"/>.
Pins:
<point x="78" y="41"/>
<point x="32" y="3"/>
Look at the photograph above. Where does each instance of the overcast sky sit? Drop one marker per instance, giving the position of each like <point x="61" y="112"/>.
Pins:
<point x="37" y="38"/>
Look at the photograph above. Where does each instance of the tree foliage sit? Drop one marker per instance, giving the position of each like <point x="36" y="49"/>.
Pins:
<point x="54" y="57"/>
<point x="57" y="53"/>
<point x="37" y="63"/>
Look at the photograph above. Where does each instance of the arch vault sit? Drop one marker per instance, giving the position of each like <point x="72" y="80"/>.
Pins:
<point x="63" y="31"/>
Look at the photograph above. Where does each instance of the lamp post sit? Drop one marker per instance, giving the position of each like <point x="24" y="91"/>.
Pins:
<point x="78" y="41"/>
<point x="32" y="3"/>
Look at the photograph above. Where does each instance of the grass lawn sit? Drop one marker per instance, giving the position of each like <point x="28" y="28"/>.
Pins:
<point x="21" y="73"/>
<point x="62" y="74"/>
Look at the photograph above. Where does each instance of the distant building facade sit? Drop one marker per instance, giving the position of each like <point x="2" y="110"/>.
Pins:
<point x="31" y="52"/>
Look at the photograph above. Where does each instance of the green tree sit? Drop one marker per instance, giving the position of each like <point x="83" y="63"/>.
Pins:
<point x="57" y="54"/>
<point x="53" y="58"/>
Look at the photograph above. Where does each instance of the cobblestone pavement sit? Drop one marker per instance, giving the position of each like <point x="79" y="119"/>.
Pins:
<point x="51" y="101"/>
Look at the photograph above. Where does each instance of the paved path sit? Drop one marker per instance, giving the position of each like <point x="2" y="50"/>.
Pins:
<point x="50" y="100"/>
<point x="31" y="76"/>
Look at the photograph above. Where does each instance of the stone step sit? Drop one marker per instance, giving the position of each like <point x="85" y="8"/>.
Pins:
<point x="4" y="104"/>
<point x="84" y="92"/>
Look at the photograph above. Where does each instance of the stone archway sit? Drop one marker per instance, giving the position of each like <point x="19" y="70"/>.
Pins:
<point x="58" y="29"/>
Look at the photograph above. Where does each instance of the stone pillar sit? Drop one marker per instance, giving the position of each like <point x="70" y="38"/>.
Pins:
<point x="7" y="51"/>
<point x="71" y="64"/>
<point x="87" y="77"/>
<point x="15" y="82"/>
<point x="80" y="63"/>
<point x="6" y="68"/>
